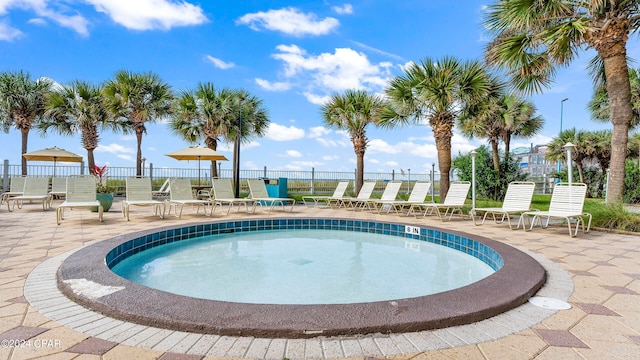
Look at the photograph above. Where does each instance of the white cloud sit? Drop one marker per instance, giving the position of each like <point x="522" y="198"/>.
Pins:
<point x="37" y="21"/>
<point x="220" y="64"/>
<point x="317" y="99"/>
<point x="150" y="14"/>
<point x="390" y="163"/>
<point x="293" y="153"/>
<point x="302" y="165"/>
<point x="330" y="157"/>
<point x="321" y="75"/>
<point x="318" y="131"/>
<point x="290" y="21"/>
<point x="278" y="132"/>
<point x="273" y="86"/>
<point x="8" y="33"/>
<point x="343" y="10"/>
<point x="58" y="12"/>
<point x="250" y="165"/>
<point x="115" y="148"/>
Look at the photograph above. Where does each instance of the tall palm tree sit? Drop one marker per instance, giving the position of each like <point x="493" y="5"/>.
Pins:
<point x="249" y="120"/>
<point x="22" y="104"/>
<point x="204" y="114"/>
<point x="437" y="91"/>
<point x="75" y="108"/>
<point x="137" y="98"/>
<point x="353" y="111"/>
<point x="533" y="38"/>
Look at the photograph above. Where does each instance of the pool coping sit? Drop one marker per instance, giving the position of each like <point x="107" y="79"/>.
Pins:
<point x="519" y="278"/>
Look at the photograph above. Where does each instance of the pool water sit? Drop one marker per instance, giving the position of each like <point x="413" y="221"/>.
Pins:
<point x="302" y="267"/>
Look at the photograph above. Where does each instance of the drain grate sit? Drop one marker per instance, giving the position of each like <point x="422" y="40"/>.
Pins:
<point x="549" y="303"/>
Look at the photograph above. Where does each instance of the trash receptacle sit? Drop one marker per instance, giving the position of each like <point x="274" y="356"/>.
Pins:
<point x="277" y="188"/>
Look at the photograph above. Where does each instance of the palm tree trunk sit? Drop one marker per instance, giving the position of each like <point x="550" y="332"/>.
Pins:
<point x="442" y="127"/>
<point x="359" y="171"/>
<point x="619" y="90"/>
<point x="139" y="155"/>
<point x="214" y="169"/>
<point x="25" y="140"/>
<point x="91" y="162"/>
<point x="580" y="172"/>
<point x="496" y="157"/>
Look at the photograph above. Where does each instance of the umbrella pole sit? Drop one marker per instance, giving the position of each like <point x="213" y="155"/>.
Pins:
<point x="54" y="166"/>
<point x="198" y="170"/>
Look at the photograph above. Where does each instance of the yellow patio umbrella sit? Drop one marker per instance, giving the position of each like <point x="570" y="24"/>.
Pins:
<point x="54" y="154"/>
<point x="197" y="152"/>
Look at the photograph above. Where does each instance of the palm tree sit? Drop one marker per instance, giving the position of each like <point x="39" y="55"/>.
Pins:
<point x="556" y="152"/>
<point x="519" y="121"/>
<point x="437" y="91"/>
<point x="353" y="111"/>
<point x="22" y="104"/>
<point x="483" y="119"/>
<point x="137" y="98"/>
<point x="78" y="108"/>
<point x="533" y="38"/>
<point x="204" y="114"/>
<point x="249" y="120"/>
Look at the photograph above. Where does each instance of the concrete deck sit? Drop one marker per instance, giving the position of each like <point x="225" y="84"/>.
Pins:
<point x="598" y="273"/>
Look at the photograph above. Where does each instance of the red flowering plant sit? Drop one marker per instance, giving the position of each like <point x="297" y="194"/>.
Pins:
<point x="101" y="179"/>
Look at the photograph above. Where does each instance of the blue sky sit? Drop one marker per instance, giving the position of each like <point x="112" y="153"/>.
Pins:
<point x="290" y="54"/>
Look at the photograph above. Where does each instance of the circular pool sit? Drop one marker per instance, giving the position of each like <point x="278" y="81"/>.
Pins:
<point x="86" y="278"/>
<point x="302" y="267"/>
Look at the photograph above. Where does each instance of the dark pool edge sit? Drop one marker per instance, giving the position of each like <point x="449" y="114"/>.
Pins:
<point x="519" y="279"/>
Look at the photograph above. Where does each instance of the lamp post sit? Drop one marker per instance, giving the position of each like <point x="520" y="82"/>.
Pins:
<point x="236" y="156"/>
<point x="561" y="113"/>
<point x="473" y="181"/>
<point x="569" y="147"/>
<point x="433" y="182"/>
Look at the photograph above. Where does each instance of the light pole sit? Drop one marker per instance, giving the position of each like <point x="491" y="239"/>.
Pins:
<point x="561" y="113"/>
<point x="569" y="147"/>
<point x="473" y="181"/>
<point x="236" y="156"/>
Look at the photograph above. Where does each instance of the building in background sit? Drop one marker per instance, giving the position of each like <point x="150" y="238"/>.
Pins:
<point x="533" y="162"/>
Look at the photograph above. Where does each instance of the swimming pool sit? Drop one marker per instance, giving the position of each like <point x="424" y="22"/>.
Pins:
<point x="302" y="266"/>
<point x="85" y="277"/>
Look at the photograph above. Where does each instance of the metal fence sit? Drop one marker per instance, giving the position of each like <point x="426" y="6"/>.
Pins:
<point x="298" y="182"/>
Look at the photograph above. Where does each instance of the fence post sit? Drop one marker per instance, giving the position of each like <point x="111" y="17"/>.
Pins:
<point x="5" y="175"/>
<point x="151" y="171"/>
<point x="265" y="172"/>
<point x="313" y="180"/>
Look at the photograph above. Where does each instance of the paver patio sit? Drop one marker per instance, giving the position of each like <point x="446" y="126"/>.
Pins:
<point x="603" y="322"/>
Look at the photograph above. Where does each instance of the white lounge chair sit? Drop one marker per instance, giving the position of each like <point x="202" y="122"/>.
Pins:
<point x="390" y="193"/>
<point x="334" y="199"/>
<point x="567" y="202"/>
<point x="35" y="189"/>
<point x="163" y="192"/>
<point x="180" y="194"/>
<point x="16" y="188"/>
<point x="223" y="195"/>
<point x="80" y="193"/>
<point x="138" y="193"/>
<point x="259" y="193"/>
<point x="58" y="187"/>
<point x="516" y="201"/>
<point x="418" y="194"/>
<point x="363" y="195"/>
<point x="453" y="202"/>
